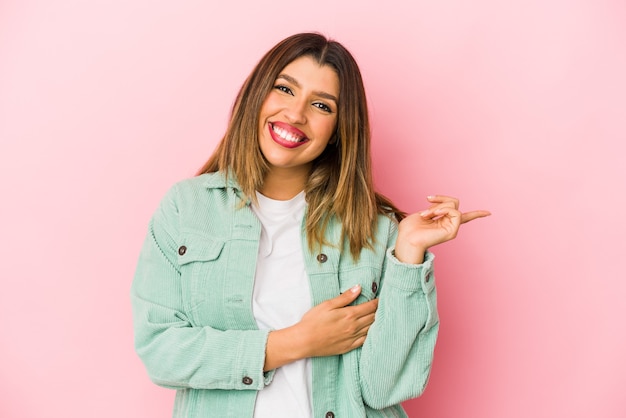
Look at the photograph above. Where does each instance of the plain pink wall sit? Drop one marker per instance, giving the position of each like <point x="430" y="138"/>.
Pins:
<point x="517" y="107"/>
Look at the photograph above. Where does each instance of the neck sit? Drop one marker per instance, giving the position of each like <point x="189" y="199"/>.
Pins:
<point x="284" y="184"/>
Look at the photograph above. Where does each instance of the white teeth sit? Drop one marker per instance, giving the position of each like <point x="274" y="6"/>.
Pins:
<point x="286" y="135"/>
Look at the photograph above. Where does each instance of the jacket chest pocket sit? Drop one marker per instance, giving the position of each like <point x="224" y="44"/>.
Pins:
<point x="200" y="267"/>
<point x="367" y="277"/>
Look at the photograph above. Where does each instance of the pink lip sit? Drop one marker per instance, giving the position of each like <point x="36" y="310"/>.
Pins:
<point x="288" y="128"/>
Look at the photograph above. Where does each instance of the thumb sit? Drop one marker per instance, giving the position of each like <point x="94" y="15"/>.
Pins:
<point x="346" y="297"/>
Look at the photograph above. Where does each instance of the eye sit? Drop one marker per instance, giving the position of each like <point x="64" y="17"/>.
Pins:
<point x="284" y="89"/>
<point x="323" y="106"/>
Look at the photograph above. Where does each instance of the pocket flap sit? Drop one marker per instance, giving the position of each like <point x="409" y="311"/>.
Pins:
<point x="196" y="248"/>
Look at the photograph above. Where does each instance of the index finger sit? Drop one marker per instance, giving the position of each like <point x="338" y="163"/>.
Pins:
<point x="470" y="216"/>
<point x="364" y="308"/>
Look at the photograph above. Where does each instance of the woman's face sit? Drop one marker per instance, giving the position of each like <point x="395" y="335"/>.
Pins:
<point x="299" y="115"/>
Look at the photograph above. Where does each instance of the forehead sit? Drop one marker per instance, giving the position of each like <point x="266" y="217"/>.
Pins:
<point x="309" y="74"/>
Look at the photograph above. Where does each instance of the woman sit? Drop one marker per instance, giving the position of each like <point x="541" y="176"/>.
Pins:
<point x="277" y="282"/>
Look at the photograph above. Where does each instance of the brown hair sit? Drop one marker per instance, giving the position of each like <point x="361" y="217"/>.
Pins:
<point x="340" y="183"/>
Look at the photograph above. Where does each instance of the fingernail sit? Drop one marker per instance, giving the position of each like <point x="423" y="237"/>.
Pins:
<point x="430" y="197"/>
<point x="424" y="213"/>
<point x="355" y="288"/>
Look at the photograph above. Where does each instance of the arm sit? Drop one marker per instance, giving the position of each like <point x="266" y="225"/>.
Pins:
<point x="330" y="328"/>
<point x="397" y="355"/>
<point x="175" y="353"/>
<point x="333" y="327"/>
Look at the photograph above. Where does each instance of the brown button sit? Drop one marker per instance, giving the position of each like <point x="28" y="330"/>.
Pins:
<point x="182" y="250"/>
<point x="330" y="414"/>
<point x="322" y="258"/>
<point x="246" y="380"/>
<point x="427" y="279"/>
<point x="374" y="287"/>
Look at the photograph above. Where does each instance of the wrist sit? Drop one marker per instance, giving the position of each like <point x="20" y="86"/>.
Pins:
<point x="409" y="254"/>
<point x="283" y="347"/>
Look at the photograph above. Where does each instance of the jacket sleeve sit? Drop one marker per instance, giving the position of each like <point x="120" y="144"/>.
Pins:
<point x="397" y="355"/>
<point x="175" y="353"/>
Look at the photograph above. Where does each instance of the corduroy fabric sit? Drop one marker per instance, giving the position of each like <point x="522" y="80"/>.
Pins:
<point x="195" y="331"/>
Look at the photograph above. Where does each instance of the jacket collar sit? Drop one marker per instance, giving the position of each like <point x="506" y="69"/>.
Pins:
<point x="218" y="180"/>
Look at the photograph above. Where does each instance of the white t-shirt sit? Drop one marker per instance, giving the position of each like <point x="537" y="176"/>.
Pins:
<point x="281" y="297"/>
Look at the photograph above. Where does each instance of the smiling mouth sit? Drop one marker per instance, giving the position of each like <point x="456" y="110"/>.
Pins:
<point x="286" y="135"/>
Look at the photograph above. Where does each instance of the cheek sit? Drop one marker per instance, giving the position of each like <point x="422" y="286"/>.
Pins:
<point x="266" y="107"/>
<point x="271" y="103"/>
<point x="325" y="132"/>
<point x="324" y="124"/>
<point x="265" y="112"/>
<point x="330" y="128"/>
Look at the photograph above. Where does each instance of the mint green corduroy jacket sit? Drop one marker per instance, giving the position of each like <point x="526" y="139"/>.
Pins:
<point x="195" y="331"/>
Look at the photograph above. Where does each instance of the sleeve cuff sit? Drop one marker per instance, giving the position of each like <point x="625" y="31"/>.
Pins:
<point x="410" y="277"/>
<point x="253" y="377"/>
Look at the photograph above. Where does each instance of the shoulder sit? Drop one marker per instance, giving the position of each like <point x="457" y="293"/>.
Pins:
<point x="202" y="182"/>
<point x="188" y="196"/>
<point x="199" y="204"/>
<point x="387" y="225"/>
<point x="384" y="231"/>
<point x="199" y="187"/>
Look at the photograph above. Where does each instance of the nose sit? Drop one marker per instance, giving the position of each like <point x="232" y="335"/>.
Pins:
<point x="295" y="112"/>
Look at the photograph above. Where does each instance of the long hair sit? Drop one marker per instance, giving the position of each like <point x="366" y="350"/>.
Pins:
<point x="340" y="182"/>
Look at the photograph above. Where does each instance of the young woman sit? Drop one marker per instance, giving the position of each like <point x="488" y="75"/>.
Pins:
<point x="277" y="283"/>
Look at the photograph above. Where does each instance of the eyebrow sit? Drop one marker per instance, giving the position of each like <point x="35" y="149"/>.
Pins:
<point x="317" y="93"/>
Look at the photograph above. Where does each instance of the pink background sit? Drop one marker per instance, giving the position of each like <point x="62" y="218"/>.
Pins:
<point x="518" y="107"/>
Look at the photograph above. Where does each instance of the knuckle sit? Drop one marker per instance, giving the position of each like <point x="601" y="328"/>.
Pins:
<point x="350" y="317"/>
<point x="352" y="329"/>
